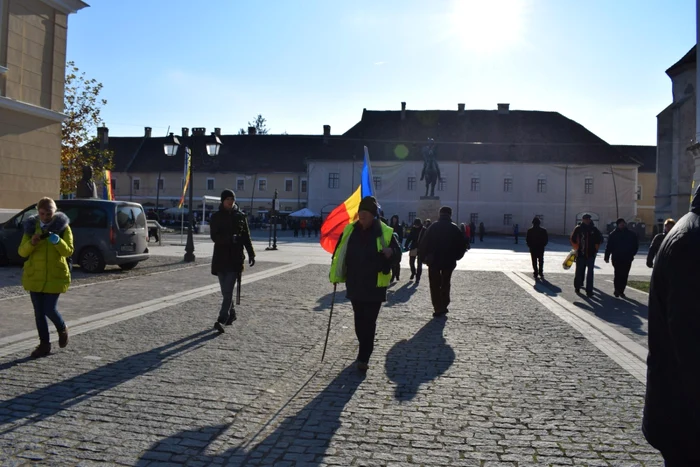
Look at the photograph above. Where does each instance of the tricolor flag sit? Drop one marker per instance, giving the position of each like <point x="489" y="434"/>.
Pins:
<point x="335" y="223"/>
<point x="187" y="179"/>
<point x="107" y="186"/>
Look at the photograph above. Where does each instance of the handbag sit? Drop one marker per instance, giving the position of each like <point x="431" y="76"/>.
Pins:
<point x="569" y="260"/>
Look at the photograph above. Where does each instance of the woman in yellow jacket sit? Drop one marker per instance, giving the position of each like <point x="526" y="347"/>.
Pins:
<point x="47" y="244"/>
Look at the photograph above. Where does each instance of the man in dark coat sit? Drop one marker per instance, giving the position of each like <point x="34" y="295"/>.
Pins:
<point x="536" y="239"/>
<point x="622" y="246"/>
<point x="672" y="406"/>
<point x="586" y="240"/>
<point x="656" y="242"/>
<point x="230" y="233"/>
<point x="412" y="242"/>
<point x="442" y="246"/>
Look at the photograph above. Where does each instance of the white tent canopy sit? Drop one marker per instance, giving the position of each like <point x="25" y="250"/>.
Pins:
<point x="176" y="210"/>
<point x="306" y="212"/>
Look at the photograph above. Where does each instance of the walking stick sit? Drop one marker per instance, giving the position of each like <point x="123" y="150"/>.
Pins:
<point x="329" y="323"/>
<point x="238" y="289"/>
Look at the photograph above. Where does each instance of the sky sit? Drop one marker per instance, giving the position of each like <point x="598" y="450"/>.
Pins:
<point x="303" y="64"/>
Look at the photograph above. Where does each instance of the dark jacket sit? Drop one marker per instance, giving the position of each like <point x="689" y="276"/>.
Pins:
<point x="364" y="262"/>
<point x="536" y="238"/>
<point x="622" y="245"/>
<point x="672" y="406"/>
<point x="414" y="237"/>
<point x="228" y="250"/>
<point x="586" y="239"/>
<point x="398" y="228"/>
<point x="443" y="244"/>
<point x="654" y="248"/>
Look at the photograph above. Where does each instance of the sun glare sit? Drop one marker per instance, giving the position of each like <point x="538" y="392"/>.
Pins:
<point x="487" y="25"/>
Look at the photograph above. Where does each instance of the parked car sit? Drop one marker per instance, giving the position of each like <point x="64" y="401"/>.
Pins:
<point x="104" y="232"/>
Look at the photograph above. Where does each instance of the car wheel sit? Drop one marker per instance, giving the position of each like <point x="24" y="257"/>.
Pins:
<point x="128" y="266"/>
<point x="4" y="260"/>
<point x="91" y="260"/>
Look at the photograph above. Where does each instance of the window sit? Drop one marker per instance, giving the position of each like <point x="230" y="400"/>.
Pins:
<point x="137" y="184"/>
<point x="411" y="216"/>
<point x="474" y="218"/>
<point x="476" y="184"/>
<point x="334" y="180"/>
<point x="210" y="184"/>
<point x="541" y="185"/>
<point x="303" y="185"/>
<point x="441" y="184"/>
<point x="507" y="219"/>
<point x="639" y="192"/>
<point x="541" y="218"/>
<point x="411" y="183"/>
<point x="130" y="217"/>
<point x="377" y="183"/>
<point x="240" y="184"/>
<point x="508" y="185"/>
<point x="262" y="184"/>
<point x="86" y="217"/>
<point x="588" y="185"/>
<point x="288" y="184"/>
<point x="160" y="184"/>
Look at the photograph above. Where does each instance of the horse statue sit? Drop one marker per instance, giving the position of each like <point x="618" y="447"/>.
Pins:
<point x="431" y="169"/>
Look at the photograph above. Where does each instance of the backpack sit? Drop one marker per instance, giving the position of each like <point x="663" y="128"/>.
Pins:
<point x="69" y="260"/>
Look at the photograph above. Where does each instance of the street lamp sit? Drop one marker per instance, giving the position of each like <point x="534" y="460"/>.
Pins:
<point x="192" y="145"/>
<point x="617" y="208"/>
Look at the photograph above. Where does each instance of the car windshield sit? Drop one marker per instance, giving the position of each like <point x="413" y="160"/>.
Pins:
<point x="130" y="217"/>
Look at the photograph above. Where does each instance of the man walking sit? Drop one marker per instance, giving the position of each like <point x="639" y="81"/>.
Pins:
<point x="230" y="233"/>
<point x="442" y="246"/>
<point x="516" y="232"/>
<point x="622" y="246"/>
<point x="362" y="259"/>
<point x="412" y="242"/>
<point x="586" y="240"/>
<point x="656" y="242"/>
<point x="672" y="405"/>
<point x="536" y="240"/>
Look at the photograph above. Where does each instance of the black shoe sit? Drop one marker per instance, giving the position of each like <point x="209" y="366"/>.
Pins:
<point x="622" y="295"/>
<point x="63" y="338"/>
<point x="219" y="327"/>
<point x="417" y="281"/>
<point x="589" y="294"/>
<point x="578" y="290"/>
<point x="437" y="314"/>
<point x="413" y="276"/>
<point x="542" y="276"/>
<point x="535" y="275"/>
<point x="398" y="278"/>
<point x="362" y="366"/>
<point x="616" y="294"/>
<point x="231" y="318"/>
<point x="41" y="350"/>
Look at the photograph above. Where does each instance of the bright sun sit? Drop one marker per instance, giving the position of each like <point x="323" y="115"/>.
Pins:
<point x="487" y="25"/>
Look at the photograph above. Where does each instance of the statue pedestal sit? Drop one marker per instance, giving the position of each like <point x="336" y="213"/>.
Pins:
<point x="428" y="208"/>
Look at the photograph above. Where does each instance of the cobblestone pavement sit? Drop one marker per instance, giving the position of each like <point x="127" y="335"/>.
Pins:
<point x="501" y="382"/>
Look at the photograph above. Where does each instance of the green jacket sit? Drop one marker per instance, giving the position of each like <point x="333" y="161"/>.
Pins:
<point x="46" y="269"/>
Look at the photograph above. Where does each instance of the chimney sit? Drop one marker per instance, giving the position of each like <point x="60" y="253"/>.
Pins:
<point x="185" y="132"/>
<point x="103" y="136"/>
<point x="199" y="131"/>
<point x="251" y="130"/>
<point x="147" y="132"/>
<point x="503" y="109"/>
<point x="326" y="130"/>
<point x="460" y="109"/>
<point x="403" y="111"/>
<point x="217" y="131"/>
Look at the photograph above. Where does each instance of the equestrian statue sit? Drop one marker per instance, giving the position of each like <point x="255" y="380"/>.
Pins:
<point x="431" y="169"/>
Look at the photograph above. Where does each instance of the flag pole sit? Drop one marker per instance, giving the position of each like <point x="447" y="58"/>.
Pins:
<point x="330" y="317"/>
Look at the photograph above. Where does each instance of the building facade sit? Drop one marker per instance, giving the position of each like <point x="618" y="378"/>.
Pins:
<point x="646" y="189"/>
<point x="33" y="37"/>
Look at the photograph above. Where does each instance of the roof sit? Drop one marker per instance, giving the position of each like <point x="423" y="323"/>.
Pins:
<point x="688" y="61"/>
<point x="645" y="155"/>
<point x="484" y="136"/>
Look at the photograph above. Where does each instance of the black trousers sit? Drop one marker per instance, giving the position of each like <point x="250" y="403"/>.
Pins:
<point x="537" y="261"/>
<point x="417" y="270"/>
<point x="365" y="326"/>
<point x="440" y="287"/>
<point x="622" y="273"/>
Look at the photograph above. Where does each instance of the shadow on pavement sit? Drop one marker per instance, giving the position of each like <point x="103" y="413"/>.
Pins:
<point x="624" y="312"/>
<point x="324" y="303"/>
<point x="546" y="287"/>
<point x="19" y="361"/>
<point x="50" y="400"/>
<point x="309" y="430"/>
<point x="419" y="360"/>
<point x="401" y="295"/>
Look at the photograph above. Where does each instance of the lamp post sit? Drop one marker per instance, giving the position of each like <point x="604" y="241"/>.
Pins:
<point x="192" y="144"/>
<point x="617" y="207"/>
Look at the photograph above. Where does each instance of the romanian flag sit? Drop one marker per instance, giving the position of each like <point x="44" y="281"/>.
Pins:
<point x="335" y="223"/>
<point x="107" y="186"/>
<point x="187" y="179"/>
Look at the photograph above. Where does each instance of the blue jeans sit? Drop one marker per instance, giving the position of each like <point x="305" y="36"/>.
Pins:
<point x="584" y="266"/>
<point x="227" y="282"/>
<point x="45" y="307"/>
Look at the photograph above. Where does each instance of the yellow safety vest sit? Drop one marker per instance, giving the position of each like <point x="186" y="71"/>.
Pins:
<point x="339" y="270"/>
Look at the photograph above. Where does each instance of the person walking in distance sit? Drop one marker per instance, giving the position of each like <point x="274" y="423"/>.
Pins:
<point x="47" y="244"/>
<point x="586" y="240"/>
<point x="516" y="232"/>
<point x="412" y="242"/>
<point x="482" y="231"/>
<point x="622" y="246"/>
<point x="362" y="259"/>
<point x="398" y="230"/>
<point x="472" y="232"/>
<point x="656" y="242"/>
<point x="671" y="420"/>
<point x="536" y="240"/>
<point x="230" y="233"/>
<point x="441" y="247"/>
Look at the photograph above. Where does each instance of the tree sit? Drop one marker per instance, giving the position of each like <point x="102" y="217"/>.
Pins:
<point x="260" y="125"/>
<point x="82" y="105"/>
<point x="242" y="132"/>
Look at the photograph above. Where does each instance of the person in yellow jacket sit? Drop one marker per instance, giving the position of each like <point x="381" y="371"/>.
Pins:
<point x="47" y="243"/>
<point x="363" y="259"/>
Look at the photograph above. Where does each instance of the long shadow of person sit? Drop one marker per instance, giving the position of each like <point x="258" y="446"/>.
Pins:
<point x="400" y="295"/>
<point x="547" y="288"/>
<point x="630" y="314"/>
<point x="309" y="431"/>
<point x="324" y="303"/>
<point x="419" y="360"/>
<point x="66" y="394"/>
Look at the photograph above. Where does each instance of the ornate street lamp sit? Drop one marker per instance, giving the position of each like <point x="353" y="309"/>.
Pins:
<point x="192" y="144"/>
